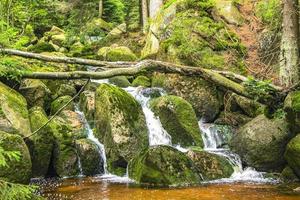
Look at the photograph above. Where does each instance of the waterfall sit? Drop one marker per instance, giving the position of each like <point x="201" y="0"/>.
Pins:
<point x="213" y="140"/>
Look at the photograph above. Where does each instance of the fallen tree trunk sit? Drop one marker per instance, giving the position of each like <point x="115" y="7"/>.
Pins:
<point x="149" y="66"/>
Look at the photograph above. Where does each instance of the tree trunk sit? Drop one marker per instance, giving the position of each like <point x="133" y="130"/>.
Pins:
<point x="145" y="14"/>
<point x="289" y="53"/>
<point x="100" y="8"/>
<point x="154" y="6"/>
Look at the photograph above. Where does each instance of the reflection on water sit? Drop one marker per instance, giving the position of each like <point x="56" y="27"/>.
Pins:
<point x="98" y="189"/>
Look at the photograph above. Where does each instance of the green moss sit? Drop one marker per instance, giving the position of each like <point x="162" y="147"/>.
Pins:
<point x="269" y="11"/>
<point x="179" y="119"/>
<point x="289" y="175"/>
<point x="292" y="154"/>
<point x="163" y="166"/>
<point x="42" y="46"/>
<point x="60" y="102"/>
<point x="121" y="53"/>
<point x="120" y="81"/>
<point x="141" y="81"/>
<point x="296" y="101"/>
<point x="18" y="171"/>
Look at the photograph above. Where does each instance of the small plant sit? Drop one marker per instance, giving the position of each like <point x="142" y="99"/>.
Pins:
<point x="258" y="88"/>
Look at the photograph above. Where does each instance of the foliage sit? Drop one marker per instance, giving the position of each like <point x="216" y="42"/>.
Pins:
<point x="258" y="88"/>
<point x="114" y="11"/>
<point x="11" y="69"/>
<point x="270" y="12"/>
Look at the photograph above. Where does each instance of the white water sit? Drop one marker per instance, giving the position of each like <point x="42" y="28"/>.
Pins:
<point x="212" y="142"/>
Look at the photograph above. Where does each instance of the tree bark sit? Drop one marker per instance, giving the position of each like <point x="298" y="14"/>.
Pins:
<point x="289" y="53"/>
<point x="100" y="8"/>
<point x="145" y="14"/>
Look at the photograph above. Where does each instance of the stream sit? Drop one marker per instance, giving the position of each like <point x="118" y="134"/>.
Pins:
<point x="245" y="183"/>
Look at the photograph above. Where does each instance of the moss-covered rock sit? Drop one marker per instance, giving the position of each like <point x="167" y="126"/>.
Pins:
<point x="54" y="31"/>
<point x="261" y="143"/>
<point x="163" y="166"/>
<point x="76" y="49"/>
<point x="141" y="81"/>
<point x="42" y="46"/>
<point x="90" y="158"/>
<point x="87" y="105"/>
<point x="36" y="93"/>
<point x="19" y="171"/>
<point x="292" y="154"/>
<point x="292" y="108"/>
<point x="60" y="102"/>
<point x="211" y="166"/>
<point x="58" y="40"/>
<point x="289" y="175"/>
<point x="13" y="112"/>
<point x="74" y="121"/>
<point x="116" y="53"/>
<point x="232" y="119"/>
<point x="41" y="144"/>
<point x="120" y="126"/>
<point x="65" y="90"/>
<point x="203" y="96"/>
<point x="120" y="81"/>
<point x="178" y="119"/>
<point x="228" y="10"/>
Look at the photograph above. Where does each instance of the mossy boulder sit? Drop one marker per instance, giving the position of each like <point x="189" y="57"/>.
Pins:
<point x="120" y="126"/>
<point x="289" y="175"/>
<point x="228" y="10"/>
<point x="41" y="144"/>
<point x="261" y="143"/>
<point x="18" y="171"/>
<point x="203" y="96"/>
<point x="211" y="166"/>
<point x="178" y="119"/>
<point x="13" y="112"/>
<point x="87" y="105"/>
<point x="74" y="121"/>
<point x="36" y="93"/>
<point x="65" y="90"/>
<point x="90" y="158"/>
<point x="42" y="46"/>
<point x="163" y="166"/>
<point x="292" y="108"/>
<point x="54" y="31"/>
<point x="236" y="119"/>
<point x="292" y="154"/>
<point x="116" y="53"/>
<point x="76" y="49"/>
<point x="60" y="102"/>
<point x="141" y="81"/>
<point x="120" y="81"/>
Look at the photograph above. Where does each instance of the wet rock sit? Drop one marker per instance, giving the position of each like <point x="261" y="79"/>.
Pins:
<point x="19" y="171"/>
<point x="141" y="81"/>
<point x="261" y="143"/>
<point x="91" y="161"/>
<point x="120" y="81"/>
<point x="289" y="175"/>
<point x="120" y="126"/>
<point x="211" y="166"/>
<point x="61" y="102"/>
<point x="163" y="166"/>
<point x="178" y="119"/>
<point x="87" y="105"/>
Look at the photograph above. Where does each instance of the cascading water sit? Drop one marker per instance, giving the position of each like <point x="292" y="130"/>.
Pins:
<point x="213" y="142"/>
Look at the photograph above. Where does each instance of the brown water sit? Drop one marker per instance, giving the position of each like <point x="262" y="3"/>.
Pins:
<point x="97" y="189"/>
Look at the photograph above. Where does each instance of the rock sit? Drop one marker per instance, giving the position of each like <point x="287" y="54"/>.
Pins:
<point x="42" y="46"/>
<point x="13" y="112"/>
<point x="87" y="105"/>
<point x="117" y="31"/>
<point x="292" y="108"/>
<point x="289" y="175"/>
<point x="60" y="102"/>
<point x="120" y="81"/>
<point x="261" y="143"/>
<point x="163" y="166"/>
<point x="90" y="158"/>
<point x="120" y="126"/>
<point x="98" y="23"/>
<point x="59" y="40"/>
<point x="18" y="171"/>
<point x="211" y="166"/>
<point x="41" y="144"/>
<point x="151" y="92"/>
<point x="76" y="49"/>
<point x="141" y="81"/>
<point x="232" y="119"/>
<point x="65" y="90"/>
<point x="36" y="93"/>
<point x="202" y="95"/>
<point x="292" y="154"/>
<point x="74" y="121"/>
<point x="178" y="119"/>
<point x="116" y="53"/>
<point x="228" y="10"/>
<point x="54" y="31"/>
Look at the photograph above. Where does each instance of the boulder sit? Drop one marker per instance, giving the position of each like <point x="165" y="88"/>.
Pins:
<point x="36" y="93"/>
<point x="120" y="81"/>
<point x="65" y="90"/>
<point x="13" y="112"/>
<point x="261" y="143"/>
<point x="87" y="105"/>
<point x="202" y="95"/>
<point x="17" y="171"/>
<point x="288" y="175"/>
<point x="116" y="53"/>
<point x="76" y="49"/>
<point x="292" y="108"/>
<point x="141" y="81"/>
<point x="227" y="9"/>
<point x="211" y="166"/>
<point x="58" y="40"/>
<point x="54" y="31"/>
<point x="117" y="31"/>
<point x="120" y="126"/>
<point x="41" y="144"/>
<point x="42" y="46"/>
<point x="292" y="154"/>
<point x="178" y="119"/>
<point x="60" y="102"/>
<point x="163" y="166"/>
<point x="90" y="158"/>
